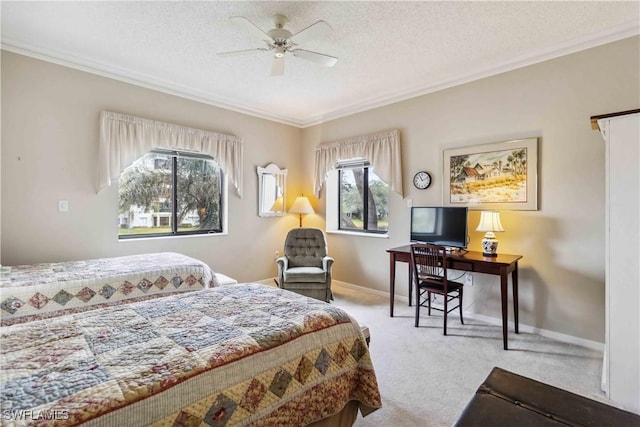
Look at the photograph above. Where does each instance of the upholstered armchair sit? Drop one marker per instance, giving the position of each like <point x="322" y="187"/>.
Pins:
<point x="305" y="267"/>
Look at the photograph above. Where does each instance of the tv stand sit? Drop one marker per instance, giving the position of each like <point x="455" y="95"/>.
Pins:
<point x="472" y="261"/>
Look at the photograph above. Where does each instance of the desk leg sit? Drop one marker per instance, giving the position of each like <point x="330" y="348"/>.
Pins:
<point x="504" y="279"/>
<point x="410" y="279"/>
<point x="514" y="280"/>
<point x="392" y="281"/>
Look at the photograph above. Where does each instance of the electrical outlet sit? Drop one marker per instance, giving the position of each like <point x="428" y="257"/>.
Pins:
<point x="277" y="255"/>
<point x="63" y="206"/>
<point x="468" y="279"/>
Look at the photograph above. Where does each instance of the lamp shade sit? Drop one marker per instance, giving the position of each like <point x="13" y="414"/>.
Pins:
<point x="301" y="206"/>
<point x="489" y="221"/>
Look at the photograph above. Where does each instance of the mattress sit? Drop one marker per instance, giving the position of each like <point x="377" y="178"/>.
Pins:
<point x="29" y="292"/>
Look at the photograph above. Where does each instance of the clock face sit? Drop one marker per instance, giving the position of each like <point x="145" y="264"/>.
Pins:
<point x="422" y="180"/>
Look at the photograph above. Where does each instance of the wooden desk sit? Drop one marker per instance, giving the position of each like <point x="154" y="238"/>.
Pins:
<point x="471" y="261"/>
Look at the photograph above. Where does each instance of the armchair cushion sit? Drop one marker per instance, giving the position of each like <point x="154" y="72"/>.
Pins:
<point x="305" y="275"/>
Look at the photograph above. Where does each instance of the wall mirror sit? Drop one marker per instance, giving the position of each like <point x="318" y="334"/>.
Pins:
<point x="272" y="182"/>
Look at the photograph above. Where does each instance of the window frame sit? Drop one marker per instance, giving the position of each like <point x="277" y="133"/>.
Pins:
<point x="175" y="155"/>
<point x="365" y="165"/>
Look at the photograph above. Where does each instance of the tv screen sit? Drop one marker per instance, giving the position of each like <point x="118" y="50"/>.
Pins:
<point x="446" y="226"/>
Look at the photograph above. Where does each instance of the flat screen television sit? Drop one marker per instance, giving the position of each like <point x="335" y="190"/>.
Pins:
<point x="445" y="226"/>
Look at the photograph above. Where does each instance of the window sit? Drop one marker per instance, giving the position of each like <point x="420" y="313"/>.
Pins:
<point x="363" y="203"/>
<point x="166" y="194"/>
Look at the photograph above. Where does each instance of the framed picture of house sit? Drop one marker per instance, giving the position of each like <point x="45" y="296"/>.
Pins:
<point x="501" y="175"/>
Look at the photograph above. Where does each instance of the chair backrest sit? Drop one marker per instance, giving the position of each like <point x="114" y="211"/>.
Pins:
<point x="429" y="263"/>
<point x="305" y="247"/>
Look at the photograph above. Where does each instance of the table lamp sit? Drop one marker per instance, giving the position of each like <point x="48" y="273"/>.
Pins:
<point x="489" y="222"/>
<point x="301" y="206"/>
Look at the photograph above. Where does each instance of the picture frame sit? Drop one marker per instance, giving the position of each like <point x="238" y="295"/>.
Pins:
<point x="496" y="176"/>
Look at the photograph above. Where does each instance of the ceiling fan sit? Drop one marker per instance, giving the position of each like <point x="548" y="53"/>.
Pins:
<point x="281" y="42"/>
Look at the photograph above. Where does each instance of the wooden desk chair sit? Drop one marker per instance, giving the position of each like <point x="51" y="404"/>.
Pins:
<point x="430" y="274"/>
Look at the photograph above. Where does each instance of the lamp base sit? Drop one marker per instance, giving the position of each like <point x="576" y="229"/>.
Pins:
<point x="489" y="245"/>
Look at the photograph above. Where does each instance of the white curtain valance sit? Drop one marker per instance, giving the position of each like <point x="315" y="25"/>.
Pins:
<point x="382" y="149"/>
<point x="125" y="138"/>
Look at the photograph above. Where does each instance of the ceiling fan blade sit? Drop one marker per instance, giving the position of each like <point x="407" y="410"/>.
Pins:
<point x="251" y="28"/>
<point x="277" y="68"/>
<point x="243" y="52"/>
<point x="313" y="31"/>
<point x="318" y="58"/>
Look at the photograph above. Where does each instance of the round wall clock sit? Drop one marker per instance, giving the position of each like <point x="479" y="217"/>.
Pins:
<point x="422" y="180"/>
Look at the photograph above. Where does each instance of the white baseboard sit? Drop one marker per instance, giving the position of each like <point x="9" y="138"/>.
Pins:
<point x="368" y="290"/>
<point x="557" y="336"/>
<point x="569" y="339"/>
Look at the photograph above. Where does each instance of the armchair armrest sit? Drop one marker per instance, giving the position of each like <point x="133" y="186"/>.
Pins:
<point x="283" y="264"/>
<point x="327" y="263"/>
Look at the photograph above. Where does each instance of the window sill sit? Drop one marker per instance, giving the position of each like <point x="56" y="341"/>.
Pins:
<point x="140" y="239"/>
<point x="356" y="233"/>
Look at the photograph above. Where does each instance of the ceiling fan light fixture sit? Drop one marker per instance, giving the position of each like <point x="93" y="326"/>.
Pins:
<point x="279" y="52"/>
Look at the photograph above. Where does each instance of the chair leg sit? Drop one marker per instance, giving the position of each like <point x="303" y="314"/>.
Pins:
<point x="429" y="303"/>
<point x="460" y="305"/>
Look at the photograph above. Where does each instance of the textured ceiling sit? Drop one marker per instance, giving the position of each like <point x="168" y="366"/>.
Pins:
<point x="388" y="51"/>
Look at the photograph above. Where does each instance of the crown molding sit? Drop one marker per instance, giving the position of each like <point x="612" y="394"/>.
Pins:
<point x="139" y="79"/>
<point x="629" y="29"/>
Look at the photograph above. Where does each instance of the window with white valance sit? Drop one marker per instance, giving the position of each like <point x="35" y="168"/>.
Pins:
<point x="381" y="149"/>
<point x="125" y="138"/>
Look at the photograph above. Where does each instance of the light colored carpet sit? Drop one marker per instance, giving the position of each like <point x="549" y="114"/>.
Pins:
<point x="426" y="378"/>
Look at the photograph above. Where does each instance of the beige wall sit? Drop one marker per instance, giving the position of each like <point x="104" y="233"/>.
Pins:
<point x="50" y="150"/>
<point x="562" y="272"/>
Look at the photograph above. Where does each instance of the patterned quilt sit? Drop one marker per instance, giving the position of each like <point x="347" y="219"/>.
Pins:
<point x="238" y="355"/>
<point x="29" y="292"/>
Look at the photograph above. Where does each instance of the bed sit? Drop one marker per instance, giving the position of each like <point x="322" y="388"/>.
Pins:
<point x="37" y="291"/>
<point x="245" y="354"/>
<point x="234" y="355"/>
